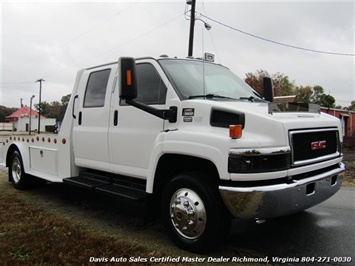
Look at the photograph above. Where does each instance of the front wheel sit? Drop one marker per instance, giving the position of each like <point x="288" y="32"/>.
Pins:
<point x="16" y="172"/>
<point x="193" y="212"/>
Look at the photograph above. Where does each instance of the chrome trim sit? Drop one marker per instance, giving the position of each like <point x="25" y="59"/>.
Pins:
<point x="316" y="160"/>
<point x="260" y="151"/>
<point x="282" y="199"/>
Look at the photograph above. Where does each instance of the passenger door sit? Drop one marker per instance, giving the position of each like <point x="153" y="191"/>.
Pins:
<point x="90" y="131"/>
<point x="133" y="132"/>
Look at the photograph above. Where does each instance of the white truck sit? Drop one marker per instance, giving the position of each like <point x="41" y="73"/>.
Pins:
<point x="189" y="138"/>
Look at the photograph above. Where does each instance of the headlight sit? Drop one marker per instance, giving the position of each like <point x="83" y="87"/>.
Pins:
<point x="259" y="160"/>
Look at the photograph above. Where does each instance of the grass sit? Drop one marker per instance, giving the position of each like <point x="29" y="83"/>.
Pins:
<point x="30" y="235"/>
<point x="51" y="226"/>
<point x="349" y="175"/>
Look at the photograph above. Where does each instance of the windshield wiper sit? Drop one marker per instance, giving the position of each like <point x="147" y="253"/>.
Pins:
<point x="210" y="96"/>
<point x="250" y="98"/>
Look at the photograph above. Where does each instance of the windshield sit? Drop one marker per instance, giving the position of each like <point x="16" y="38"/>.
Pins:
<point x="194" y="79"/>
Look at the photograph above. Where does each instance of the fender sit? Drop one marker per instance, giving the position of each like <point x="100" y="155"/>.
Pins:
<point x="168" y="144"/>
<point x="157" y="152"/>
<point x="23" y="152"/>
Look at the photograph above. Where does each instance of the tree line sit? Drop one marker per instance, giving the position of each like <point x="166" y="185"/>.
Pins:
<point x="50" y="110"/>
<point x="283" y="86"/>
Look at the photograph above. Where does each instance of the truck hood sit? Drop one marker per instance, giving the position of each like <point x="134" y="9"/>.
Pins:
<point x="263" y="129"/>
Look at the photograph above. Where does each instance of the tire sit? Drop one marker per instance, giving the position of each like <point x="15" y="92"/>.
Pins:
<point x="193" y="213"/>
<point x="17" y="174"/>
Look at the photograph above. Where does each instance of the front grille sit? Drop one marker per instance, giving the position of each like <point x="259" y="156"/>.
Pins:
<point x="313" y="145"/>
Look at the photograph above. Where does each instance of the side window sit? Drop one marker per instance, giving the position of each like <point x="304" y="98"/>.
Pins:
<point x="96" y="88"/>
<point x="151" y="88"/>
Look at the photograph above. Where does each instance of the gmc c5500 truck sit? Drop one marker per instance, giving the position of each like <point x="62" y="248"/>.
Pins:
<point x="192" y="140"/>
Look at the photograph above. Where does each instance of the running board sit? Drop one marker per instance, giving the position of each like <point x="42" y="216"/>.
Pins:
<point x="113" y="185"/>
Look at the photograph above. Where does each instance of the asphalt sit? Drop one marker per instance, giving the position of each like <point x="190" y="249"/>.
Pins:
<point x="326" y="230"/>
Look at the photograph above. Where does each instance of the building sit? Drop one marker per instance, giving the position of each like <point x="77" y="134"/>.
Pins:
<point x="21" y="120"/>
<point x="347" y="119"/>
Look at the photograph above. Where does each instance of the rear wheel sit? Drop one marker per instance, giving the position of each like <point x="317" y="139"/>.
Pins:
<point x="17" y="174"/>
<point x="193" y="213"/>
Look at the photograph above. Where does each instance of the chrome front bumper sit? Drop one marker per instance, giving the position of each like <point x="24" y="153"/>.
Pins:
<point x="281" y="199"/>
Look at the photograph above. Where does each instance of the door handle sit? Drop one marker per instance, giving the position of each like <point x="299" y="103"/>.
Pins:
<point x="80" y="117"/>
<point x="73" y="110"/>
<point x="115" y="118"/>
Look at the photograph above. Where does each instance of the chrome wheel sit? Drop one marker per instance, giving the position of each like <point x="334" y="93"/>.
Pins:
<point x="188" y="213"/>
<point x="16" y="169"/>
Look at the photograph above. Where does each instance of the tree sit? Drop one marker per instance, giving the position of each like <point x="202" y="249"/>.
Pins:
<point x="256" y="80"/>
<point x="65" y="99"/>
<point x="325" y="100"/>
<point x="54" y="109"/>
<point x="42" y="107"/>
<point x="352" y="106"/>
<point x="64" y="104"/>
<point x="328" y="101"/>
<point x="318" y="93"/>
<point x="282" y="85"/>
<point x="304" y="94"/>
<point x="6" y="111"/>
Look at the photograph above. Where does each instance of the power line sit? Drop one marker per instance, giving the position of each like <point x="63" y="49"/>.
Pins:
<point x="135" y="38"/>
<point x="275" y="42"/>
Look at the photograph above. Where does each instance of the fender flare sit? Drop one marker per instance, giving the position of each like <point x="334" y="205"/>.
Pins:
<point x="23" y="152"/>
<point x="185" y="149"/>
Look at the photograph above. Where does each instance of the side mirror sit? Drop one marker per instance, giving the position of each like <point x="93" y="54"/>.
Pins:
<point x="268" y="89"/>
<point x="127" y="78"/>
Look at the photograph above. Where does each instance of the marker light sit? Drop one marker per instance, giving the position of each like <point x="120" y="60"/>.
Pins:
<point x="235" y="131"/>
<point x="129" y="77"/>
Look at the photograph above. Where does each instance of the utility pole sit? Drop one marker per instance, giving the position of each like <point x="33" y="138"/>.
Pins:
<point x="29" y="130"/>
<point x="192" y="27"/>
<point x="39" y="104"/>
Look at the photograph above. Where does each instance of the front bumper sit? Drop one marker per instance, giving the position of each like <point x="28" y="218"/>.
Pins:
<point x="282" y="199"/>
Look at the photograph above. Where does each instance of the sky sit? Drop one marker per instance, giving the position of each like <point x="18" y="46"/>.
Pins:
<point x="52" y="40"/>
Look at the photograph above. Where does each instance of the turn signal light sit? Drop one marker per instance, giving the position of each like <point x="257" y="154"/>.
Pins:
<point x="235" y="131"/>
<point x="129" y="77"/>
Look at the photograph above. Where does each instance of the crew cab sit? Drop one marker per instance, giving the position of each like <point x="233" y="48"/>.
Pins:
<point x="192" y="140"/>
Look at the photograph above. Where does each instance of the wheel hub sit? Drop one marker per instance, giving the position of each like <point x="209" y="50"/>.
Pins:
<point x="188" y="213"/>
<point x="16" y="170"/>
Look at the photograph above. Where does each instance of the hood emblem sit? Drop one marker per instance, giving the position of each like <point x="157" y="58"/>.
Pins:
<point x="318" y="145"/>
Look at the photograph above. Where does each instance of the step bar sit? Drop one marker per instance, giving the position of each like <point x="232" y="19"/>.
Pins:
<point x="113" y="185"/>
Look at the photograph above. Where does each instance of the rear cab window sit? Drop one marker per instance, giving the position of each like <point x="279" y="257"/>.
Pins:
<point x="96" y="88"/>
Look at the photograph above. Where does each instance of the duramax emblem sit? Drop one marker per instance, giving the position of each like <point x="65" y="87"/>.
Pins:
<point x="318" y="145"/>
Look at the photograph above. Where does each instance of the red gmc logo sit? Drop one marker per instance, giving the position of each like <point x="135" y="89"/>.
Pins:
<point x="318" y="145"/>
